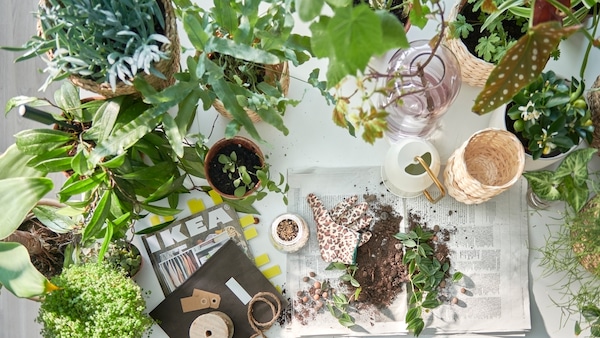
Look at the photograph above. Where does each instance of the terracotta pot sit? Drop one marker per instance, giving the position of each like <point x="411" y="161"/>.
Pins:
<point x="213" y="169"/>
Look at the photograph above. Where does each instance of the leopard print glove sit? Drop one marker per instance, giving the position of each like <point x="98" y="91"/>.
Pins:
<point x="342" y="230"/>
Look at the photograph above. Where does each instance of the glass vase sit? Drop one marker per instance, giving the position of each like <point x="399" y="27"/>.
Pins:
<point x="420" y="86"/>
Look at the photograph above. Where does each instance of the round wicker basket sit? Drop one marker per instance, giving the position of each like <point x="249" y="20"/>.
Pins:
<point x="487" y="164"/>
<point x="168" y="67"/>
<point x="474" y="70"/>
<point x="279" y="72"/>
<point x="593" y="99"/>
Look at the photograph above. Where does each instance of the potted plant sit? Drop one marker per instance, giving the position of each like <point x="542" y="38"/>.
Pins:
<point x="118" y="166"/>
<point x="572" y="252"/>
<point x="121" y="254"/>
<point x="236" y="169"/>
<point x="102" y="45"/>
<point x="479" y="35"/>
<point x="550" y="116"/>
<point x="568" y="183"/>
<point x="94" y="300"/>
<point x="551" y="22"/>
<point x="243" y="52"/>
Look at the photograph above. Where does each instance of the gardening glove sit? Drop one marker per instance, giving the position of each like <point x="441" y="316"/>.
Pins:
<point x="342" y="230"/>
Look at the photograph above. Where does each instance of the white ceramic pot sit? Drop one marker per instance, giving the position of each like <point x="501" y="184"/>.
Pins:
<point x="411" y="166"/>
<point x="497" y="121"/>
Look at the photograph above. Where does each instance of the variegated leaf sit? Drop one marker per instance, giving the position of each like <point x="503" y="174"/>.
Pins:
<point x="521" y="65"/>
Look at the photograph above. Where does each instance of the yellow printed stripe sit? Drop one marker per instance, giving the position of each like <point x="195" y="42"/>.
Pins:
<point x="217" y="199"/>
<point x="250" y="233"/>
<point x="246" y="220"/>
<point x="195" y="205"/>
<point x="261" y="260"/>
<point x="155" y="220"/>
<point x="272" y="271"/>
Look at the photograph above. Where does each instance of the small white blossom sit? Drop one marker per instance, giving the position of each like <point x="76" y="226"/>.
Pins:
<point x="528" y="115"/>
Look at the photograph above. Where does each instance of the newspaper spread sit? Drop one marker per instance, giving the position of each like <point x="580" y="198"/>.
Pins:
<point x="181" y="248"/>
<point x="488" y="245"/>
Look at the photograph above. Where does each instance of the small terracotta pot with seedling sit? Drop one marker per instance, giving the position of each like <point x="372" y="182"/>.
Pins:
<point x="232" y="167"/>
<point x="289" y="232"/>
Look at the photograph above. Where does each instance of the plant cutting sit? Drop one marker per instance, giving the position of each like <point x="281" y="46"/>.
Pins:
<point x="550" y="115"/>
<point x="94" y="300"/>
<point x="103" y="45"/>
<point x="236" y="168"/>
<point x="242" y="56"/>
<point x="568" y="183"/>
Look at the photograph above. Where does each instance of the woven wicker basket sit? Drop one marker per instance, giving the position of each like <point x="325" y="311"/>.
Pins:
<point x="279" y="72"/>
<point x="593" y="99"/>
<point x="487" y="164"/>
<point x="167" y="67"/>
<point x="474" y="70"/>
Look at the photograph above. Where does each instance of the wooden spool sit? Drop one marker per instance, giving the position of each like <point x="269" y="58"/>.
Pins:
<point x="214" y="324"/>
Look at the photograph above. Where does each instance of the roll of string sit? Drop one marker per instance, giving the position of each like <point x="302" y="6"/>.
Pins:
<point x="273" y="302"/>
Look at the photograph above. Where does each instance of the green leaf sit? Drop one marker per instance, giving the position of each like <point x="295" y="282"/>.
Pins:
<point x="576" y="164"/>
<point x="577" y="328"/>
<point x="173" y="134"/>
<point x="80" y="163"/>
<point x="241" y="51"/>
<point x="39" y="141"/>
<point x="416" y="325"/>
<point x="81" y="186"/>
<point x="412" y="314"/>
<point x="309" y="9"/>
<point x="457" y="276"/>
<point x="394" y="35"/>
<point x="590" y="312"/>
<point x="54" y="221"/>
<point x="69" y="100"/>
<point x="543" y="184"/>
<point x="104" y="120"/>
<point x="98" y="219"/>
<point x="17" y="273"/>
<point x="161" y="211"/>
<point x="173" y="184"/>
<point x="242" y="205"/>
<point x="194" y="30"/>
<point x="13" y="163"/>
<point x="155" y="228"/>
<point x="518" y="68"/>
<point x="17" y="197"/>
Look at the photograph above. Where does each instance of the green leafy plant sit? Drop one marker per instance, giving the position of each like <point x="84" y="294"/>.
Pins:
<point x="94" y="300"/>
<point x="117" y="166"/>
<point x="551" y="115"/>
<point x="239" y="47"/>
<point x="495" y="26"/>
<point x="425" y="272"/>
<point x="104" y="41"/>
<point x="242" y="181"/>
<point x="569" y="182"/>
<point x="546" y="30"/>
<point x="120" y="254"/>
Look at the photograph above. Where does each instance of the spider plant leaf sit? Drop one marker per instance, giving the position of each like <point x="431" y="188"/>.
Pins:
<point x="521" y="65"/>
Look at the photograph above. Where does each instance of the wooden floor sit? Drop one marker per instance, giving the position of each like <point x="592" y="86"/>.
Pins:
<point x="17" y="24"/>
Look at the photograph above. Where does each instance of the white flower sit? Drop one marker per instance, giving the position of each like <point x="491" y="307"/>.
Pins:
<point x="526" y="114"/>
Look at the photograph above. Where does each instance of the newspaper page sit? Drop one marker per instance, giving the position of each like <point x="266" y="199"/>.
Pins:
<point x="487" y="242"/>
<point x="182" y="247"/>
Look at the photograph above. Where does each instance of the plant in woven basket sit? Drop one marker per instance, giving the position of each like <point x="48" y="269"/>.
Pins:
<point x="551" y="22"/>
<point x="569" y="182"/>
<point x="94" y="300"/>
<point x="550" y="115"/>
<point x="572" y="253"/>
<point x="104" y="43"/>
<point x="489" y="28"/>
<point x="243" y="52"/>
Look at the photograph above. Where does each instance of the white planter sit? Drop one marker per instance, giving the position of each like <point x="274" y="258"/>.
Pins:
<point x="497" y="121"/>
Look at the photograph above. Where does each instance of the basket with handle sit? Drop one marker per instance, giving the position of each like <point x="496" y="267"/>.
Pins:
<point x="474" y="71"/>
<point x="488" y="163"/>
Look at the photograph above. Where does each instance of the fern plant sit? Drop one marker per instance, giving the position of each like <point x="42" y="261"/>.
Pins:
<point x="105" y="41"/>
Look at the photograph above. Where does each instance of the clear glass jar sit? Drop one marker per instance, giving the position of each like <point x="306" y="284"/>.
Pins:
<point x="286" y="236"/>
<point x="419" y="95"/>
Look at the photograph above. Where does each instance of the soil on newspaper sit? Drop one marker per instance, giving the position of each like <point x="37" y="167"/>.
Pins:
<point x="380" y="272"/>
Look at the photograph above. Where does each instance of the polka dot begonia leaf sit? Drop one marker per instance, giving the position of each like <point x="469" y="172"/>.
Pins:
<point x="521" y="65"/>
